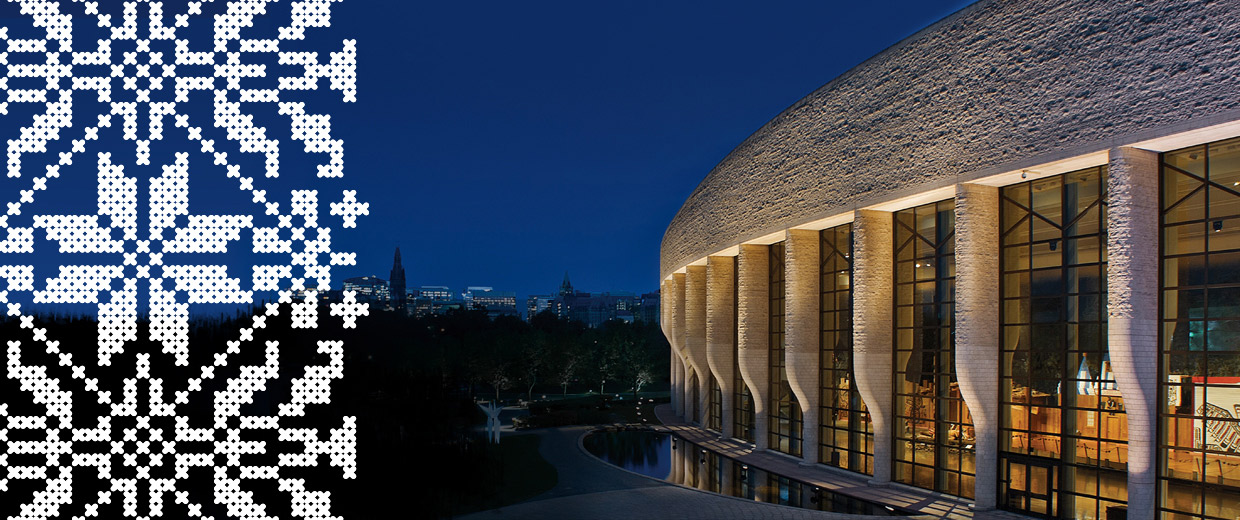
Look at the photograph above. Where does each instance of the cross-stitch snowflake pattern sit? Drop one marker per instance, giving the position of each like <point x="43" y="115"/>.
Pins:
<point x="152" y="418"/>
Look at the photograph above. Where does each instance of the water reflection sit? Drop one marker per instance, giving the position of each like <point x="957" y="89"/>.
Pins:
<point x="645" y="452"/>
<point x="651" y="453"/>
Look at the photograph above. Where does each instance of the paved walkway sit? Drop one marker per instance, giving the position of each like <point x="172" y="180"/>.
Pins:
<point x="589" y="488"/>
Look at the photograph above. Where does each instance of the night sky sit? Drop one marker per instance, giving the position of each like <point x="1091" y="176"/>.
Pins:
<point x="504" y="143"/>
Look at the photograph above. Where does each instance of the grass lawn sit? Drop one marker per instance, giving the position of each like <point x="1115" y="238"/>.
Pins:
<point x="515" y="471"/>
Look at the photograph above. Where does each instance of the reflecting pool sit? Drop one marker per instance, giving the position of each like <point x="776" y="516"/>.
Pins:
<point x="655" y="454"/>
<point x="645" y="452"/>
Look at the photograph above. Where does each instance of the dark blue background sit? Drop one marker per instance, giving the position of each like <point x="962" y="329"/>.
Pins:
<point x="504" y="143"/>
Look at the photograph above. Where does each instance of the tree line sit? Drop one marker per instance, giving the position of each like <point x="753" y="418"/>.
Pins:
<point x="410" y="381"/>
<point x="508" y="354"/>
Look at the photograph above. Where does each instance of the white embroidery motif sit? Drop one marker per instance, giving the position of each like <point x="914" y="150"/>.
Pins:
<point x="145" y="255"/>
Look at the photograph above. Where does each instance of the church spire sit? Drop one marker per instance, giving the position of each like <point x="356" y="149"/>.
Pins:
<point x="566" y="288"/>
<point x="396" y="283"/>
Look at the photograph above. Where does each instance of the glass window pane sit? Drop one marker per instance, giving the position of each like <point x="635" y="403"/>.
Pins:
<point x="1083" y="250"/>
<point x="1016" y="258"/>
<point x="1048" y="199"/>
<point x="1191" y="160"/>
<point x="1223" y="268"/>
<point x="1221" y="503"/>
<point x="1015" y="224"/>
<point x="1184" y="271"/>
<point x="1184" y="196"/>
<point x="1183" y="239"/>
<point x="1081" y="189"/>
<point x="1224" y="164"/>
<point x="1224" y="233"/>
<point x="1044" y="229"/>
<point x="1047" y="254"/>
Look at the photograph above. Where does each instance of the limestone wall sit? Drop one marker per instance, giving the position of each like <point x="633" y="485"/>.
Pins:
<point x="996" y="87"/>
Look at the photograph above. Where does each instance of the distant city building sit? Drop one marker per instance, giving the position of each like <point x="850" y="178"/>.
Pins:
<point x="594" y="309"/>
<point x="535" y="304"/>
<point x="647" y="307"/>
<point x="427" y="307"/>
<point x="431" y="300"/>
<point x="434" y="292"/>
<point x="468" y="294"/>
<point x="370" y="289"/>
<point x="496" y="303"/>
<point x="397" y="284"/>
<point x="330" y="296"/>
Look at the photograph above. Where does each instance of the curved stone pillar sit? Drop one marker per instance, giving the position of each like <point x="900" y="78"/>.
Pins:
<point x="703" y="471"/>
<point x="977" y="328"/>
<point x="802" y="357"/>
<point x="692" y="380"/>
<point x="726" y="483"/>
<point x="665" y="306"/>
<point x="685" y="410"/>
<point x="665" y="323"/>
<point x="678" y="383"/>
<point x="695" y="334"/>
<point x="873" y="275"/>
<point x="689" y="459"/>
<point x="1132" y="311"/>
<point x="753" y="345"/>
<point x="720" y="334"/>
<point x="678" y="466"/>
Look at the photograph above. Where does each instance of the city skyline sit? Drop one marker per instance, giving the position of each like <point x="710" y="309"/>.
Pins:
<point x="590" y="307"/>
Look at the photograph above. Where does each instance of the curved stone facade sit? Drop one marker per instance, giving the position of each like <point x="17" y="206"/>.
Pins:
<point x="998" y="86"/>
<point x="1035" y="201"/>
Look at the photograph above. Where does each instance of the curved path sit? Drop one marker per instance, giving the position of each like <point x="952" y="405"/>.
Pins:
<point x="589" y="488"/>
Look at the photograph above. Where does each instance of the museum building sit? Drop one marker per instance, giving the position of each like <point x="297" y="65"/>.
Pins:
<point x="999" y="261"/>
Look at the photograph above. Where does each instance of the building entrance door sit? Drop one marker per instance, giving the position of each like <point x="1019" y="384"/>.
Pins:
<point x="1031" y="486"/>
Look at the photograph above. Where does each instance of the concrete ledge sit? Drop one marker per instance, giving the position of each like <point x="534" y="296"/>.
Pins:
<point x="856" y="485"/>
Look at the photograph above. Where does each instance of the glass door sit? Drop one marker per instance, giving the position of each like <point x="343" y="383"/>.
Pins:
<point x="1031" y="486"/>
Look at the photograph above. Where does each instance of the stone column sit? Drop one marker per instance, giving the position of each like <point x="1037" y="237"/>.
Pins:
<point x="665" y="323"/>
<point x="1132" y="311"/>
<point x="802" y="271"/>
<point x="873" y="275"/>
<point x="977" y="328"/>
<point x="675" y="327"/>
<point x="703" y="471"/>
<point x="692" y="379"/>
<point x="726" y="483"/>
<point x="678" y="384"/>
<point x="678" y="344"/>
<point x="720" y="335"/>
<point x="678" y="466"/>
<point x="695" y="334"/>
<point x="689" y="459"/>
<point x="753" y="348"/>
